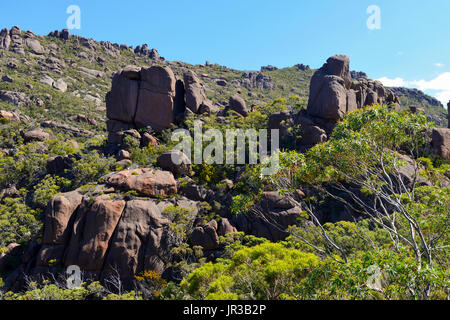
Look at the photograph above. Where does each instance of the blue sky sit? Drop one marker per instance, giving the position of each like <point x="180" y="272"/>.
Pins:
<point x="411" y="49"/>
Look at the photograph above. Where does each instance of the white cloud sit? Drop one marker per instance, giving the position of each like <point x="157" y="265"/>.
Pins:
<point x="439" y="65"/>
<point x="439" y="86"/>
<point x="441" y="82"/>
<point x="444" y="97"/>
<point x="397" y="82"/>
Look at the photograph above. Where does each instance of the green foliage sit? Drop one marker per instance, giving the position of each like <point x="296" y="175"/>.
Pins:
<point x="400" y="277"/>
<point x="396" y="130"/>
<point x="265" y="271"/>
<point x="182" y="219"/>
<point x="48" y="291"/>
<point x="49" y="187"/>
<point x="90" y="168"/>
<point x="147" y="156"/>
<point x="22" y="169"/>
<point x="18" y="222"/>
<point x="150" y="284"/>
<point x="352" y="237"/>
<point x="212" y="173"/>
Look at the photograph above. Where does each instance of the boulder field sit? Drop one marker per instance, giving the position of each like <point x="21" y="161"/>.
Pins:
<point x="120" y="226"/>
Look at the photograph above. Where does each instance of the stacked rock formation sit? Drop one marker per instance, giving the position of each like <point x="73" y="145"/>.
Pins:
<point x="144" y="50"/>
<point x="333" y="93"/>
<point x="151" y="97"/>
<point x="257" y="80"/>
<point x="12" y="39"/>
<point x="5" y="39"/>
<point x="63" y="34"/>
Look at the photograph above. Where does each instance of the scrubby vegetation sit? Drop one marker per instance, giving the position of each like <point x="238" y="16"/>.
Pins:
<point x="377" y="165"/>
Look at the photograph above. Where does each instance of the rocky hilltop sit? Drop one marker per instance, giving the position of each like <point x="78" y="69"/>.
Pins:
<point x="87" y="122"/>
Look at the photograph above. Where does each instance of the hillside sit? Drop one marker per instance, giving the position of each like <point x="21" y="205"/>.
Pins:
<point x="92" y="178"/>
<point x="86" y="68"/>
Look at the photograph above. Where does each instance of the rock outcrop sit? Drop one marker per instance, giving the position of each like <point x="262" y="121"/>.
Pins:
<point x="103" y="232"/>
<point x="441" y="142"/>
<point x="36" y="135"/>
<point x="257" y="80"/>
<point x="147" y="182"/>
<point x="176" y="162"/>
<point x="142" y="97"/>
<point x="151" y="98"/>
<point x="145" y="51"/>
<point x="10" y="116"/>
<point x="268" y="68"/>
<point x="333" y="93"/>
<point x="63" y="34"/>
<point x="195" y="92"/>
<point x="448" y="116"/>
<point x="5" y="39"/>
<point x="238" y="104"/>
<point x="16" y="98"/>
<point x="272" y="215"/>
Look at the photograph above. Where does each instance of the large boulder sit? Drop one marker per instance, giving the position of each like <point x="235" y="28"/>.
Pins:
<point x="270" y="217"/>
<point x="142" y="97"/>
<point x="10" y="116"/>
<point x="441" y="142"/>
<point x="34" y="45"/>
<point x="206" y="236"/>
<point x="176" y="162"/>
<point x="282" y="121"/>
<point x="141" y="241"/>
<point x="36" y="135"/>
<point x="148" y="182"/>
<point x="5" y="39"/>
<point x="121" y="101"/>
<point x="155" y="106"/>
<point x="59" y="211"/>
<point x="328" y="93"/>
<point x="195" y="92"/>
<point x="57" y="165"/>
<point x="311" y="134"/>
<point x="333" y="93"/>
<point x="108" y="235"/>
<point x="238" y="104"/>
<point x="93" y="228"/>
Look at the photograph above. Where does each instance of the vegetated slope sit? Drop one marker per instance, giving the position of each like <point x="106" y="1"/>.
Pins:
<point x="86" y="67"/>
<point x="416" y="98"/>
<point x="179" y="220"/>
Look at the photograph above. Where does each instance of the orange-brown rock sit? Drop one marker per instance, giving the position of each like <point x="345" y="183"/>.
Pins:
<point x="92" y="230"/>
<point x="148" y="182"/>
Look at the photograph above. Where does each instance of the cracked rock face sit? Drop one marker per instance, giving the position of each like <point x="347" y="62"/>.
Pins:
<point x="104" y="233"/>
<point x="151" y="97"/>
<point x="142" y="97"/>
<point x="333" y="92"/>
